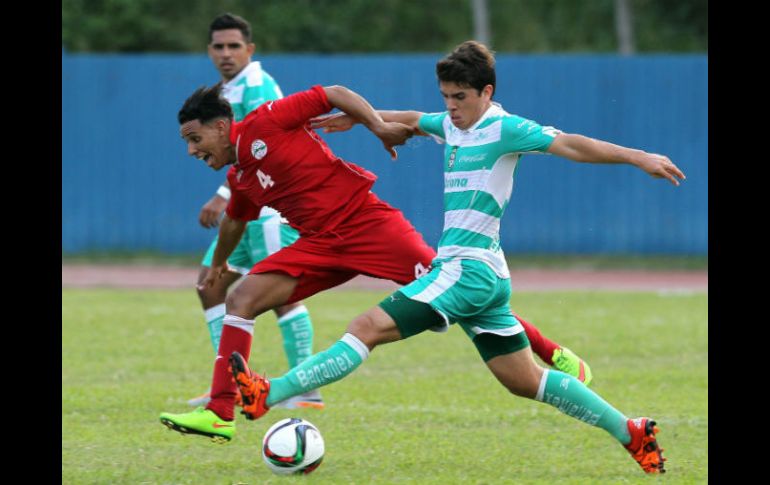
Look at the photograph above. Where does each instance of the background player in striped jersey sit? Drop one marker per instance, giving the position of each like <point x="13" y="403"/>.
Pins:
<point x="469" y="283"/>
<point x="246" y="86"/>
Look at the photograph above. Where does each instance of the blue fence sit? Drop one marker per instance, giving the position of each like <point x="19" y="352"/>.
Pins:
<point x="127" y="183"/>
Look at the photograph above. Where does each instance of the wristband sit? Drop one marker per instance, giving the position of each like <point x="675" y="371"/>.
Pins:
<point x="224" y="192"/>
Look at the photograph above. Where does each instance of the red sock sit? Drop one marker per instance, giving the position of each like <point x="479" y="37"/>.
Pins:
<point x="223" y="387"/>
<point x="540" y="345"/>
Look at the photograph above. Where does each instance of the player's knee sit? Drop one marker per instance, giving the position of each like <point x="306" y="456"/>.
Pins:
<point x="519" y="388"/>
<point x="210" y="296"/>
<point x="241" y="304"/>
<point x="524" y="384"/>
<point x="370" y="331"/>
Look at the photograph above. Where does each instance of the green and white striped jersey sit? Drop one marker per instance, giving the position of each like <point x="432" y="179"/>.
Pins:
<point x="479" y="168"/>
<point x="249" y="89"/>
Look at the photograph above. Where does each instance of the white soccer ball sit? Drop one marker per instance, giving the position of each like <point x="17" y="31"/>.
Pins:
<point x="292" y="445"/>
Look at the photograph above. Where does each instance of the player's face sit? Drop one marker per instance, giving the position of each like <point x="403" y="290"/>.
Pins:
<point x="229" y="52"/>
<point x="465" y="104"/>
<point x="209" y="142"/>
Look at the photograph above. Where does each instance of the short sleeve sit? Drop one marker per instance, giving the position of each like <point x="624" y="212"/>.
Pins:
<point x="240" y="207"/>
<point x="433" y="124"/>
<point x="272" y="90"/>
<point x="294" y="110"/>
<point x="523" y="135"/>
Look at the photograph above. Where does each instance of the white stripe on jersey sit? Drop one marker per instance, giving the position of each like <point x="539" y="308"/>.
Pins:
<point x="254" y="74"/>
<point x="501" y="178"/>
<point x="472" y="220"/>
<point x="234" y="94"/>
<point x="493" y="259"/>
<point x="477" y="180"/>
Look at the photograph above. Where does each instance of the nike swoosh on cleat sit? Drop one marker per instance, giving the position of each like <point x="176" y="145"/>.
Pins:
<point x="217" y="425"/>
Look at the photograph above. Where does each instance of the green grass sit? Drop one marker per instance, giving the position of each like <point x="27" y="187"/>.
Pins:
<point x="515" y="261"/>
<point x="422" y="411"/>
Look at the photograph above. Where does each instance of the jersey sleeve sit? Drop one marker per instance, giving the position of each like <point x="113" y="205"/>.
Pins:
<point x="239" y="111"/>
<point x="294" y="110"/>
<point x="253" y="97"/>
<point x="240" y="207"/>
<point x="272" y="90"/>
<point x="433" y="124"/>
<point x="523" y="135"/>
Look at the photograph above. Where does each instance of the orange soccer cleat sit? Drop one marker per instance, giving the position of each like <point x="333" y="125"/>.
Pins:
<point x="644" y="447"/>
<point x="252" y="387"/>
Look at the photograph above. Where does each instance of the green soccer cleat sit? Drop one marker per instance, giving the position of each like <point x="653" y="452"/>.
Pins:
<point x="566" y="361"/>
<point x="200" y="421"/>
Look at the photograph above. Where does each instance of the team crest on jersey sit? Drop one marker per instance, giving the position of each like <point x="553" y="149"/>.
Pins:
<point x="452" y="158"/>
<point x="258" y="149"/>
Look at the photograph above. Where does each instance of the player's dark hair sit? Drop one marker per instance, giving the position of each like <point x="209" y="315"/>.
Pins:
<point x="204" y="105"/>
<point x="230" y="21"/>
<point x="470" y="64"/>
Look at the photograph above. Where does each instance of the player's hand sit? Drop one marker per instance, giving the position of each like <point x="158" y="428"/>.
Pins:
<point x="659" y="166"/>
<point x="213" y="275"/>
<point x="212" y="211"/>
<point x="333" y="123"/>
<point x="393" y="134"/>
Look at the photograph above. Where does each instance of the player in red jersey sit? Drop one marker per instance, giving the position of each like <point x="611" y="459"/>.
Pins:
<point x="345" y="230"/>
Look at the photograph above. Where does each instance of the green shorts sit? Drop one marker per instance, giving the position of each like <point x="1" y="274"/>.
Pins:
<point x="465" y="292"/>
<point x="262" y="237"/>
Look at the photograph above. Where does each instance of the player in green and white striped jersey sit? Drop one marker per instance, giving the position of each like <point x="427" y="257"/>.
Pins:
<point x="246" y="86"/>
<point x="469" y="283"/>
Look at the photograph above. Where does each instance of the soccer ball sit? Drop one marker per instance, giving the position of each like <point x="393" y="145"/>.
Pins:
<point x="292" y="446"/>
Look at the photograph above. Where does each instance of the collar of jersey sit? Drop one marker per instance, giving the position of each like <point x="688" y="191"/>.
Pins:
<point x="494" y="109"/>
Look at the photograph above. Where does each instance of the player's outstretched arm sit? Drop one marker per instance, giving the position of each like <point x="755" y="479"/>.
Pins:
<point x="584" y="149"/>
<point x="230" y="232"/>
<point x="391" y="133"/>
<point x="338" y="122"/>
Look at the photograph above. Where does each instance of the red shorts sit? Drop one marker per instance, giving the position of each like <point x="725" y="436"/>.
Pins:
<point x="377" y="241"/>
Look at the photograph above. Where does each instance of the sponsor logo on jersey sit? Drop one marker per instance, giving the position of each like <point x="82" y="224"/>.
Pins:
<point x="452" y="158"/>
<point x="455" y="183"/>
<point x="259" y="149"/>
<point x="473" y="158"/>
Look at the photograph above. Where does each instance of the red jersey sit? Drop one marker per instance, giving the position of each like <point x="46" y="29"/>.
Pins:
<point x="284" y="164"/>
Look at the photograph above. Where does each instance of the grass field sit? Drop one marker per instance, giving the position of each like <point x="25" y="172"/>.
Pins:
<point x="423" y="411"/>
<point x="515" y="261"/>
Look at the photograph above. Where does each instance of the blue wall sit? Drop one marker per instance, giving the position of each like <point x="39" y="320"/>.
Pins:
<point x="127" y="183"/>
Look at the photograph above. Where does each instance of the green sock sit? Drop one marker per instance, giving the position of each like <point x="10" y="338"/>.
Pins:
<point x="323" y="368"/>
<point x="574" y="399"/>
<point x="214" y="317"/>
<point x="297" y="331"/>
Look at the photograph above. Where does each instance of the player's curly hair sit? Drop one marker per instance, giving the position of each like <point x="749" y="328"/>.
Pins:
<point x="204" y="105"/>
<point x="470" y="64"/>
<point x="229" y="21"/>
